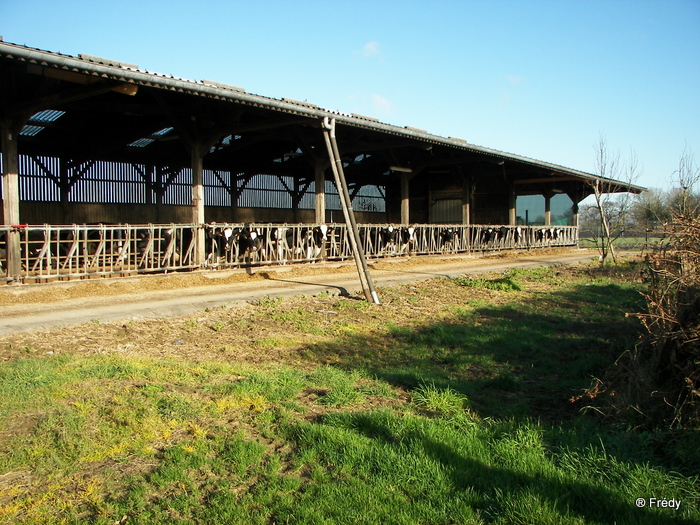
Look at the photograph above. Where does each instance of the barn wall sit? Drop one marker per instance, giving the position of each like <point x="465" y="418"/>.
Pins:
<point x="88" y="213"/>
<point x="490" y="208"/>
<point x="85" y="213"/>
<point x="278" y="216"/>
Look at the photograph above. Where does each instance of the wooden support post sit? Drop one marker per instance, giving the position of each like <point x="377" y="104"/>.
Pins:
<point x="320" y="184"/>
<point x="467" y="192"/>
<point x="548" y="209"/>
<point x="512" y="212"/>
<point x="574" y="209"/>
<point x="346" y="202"/>
<point x="405" y="199"/>
<point x="198" y="202"/>
<point x="9" y="130"/>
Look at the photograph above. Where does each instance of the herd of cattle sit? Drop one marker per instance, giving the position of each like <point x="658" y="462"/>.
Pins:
<point x="80" y="250"/>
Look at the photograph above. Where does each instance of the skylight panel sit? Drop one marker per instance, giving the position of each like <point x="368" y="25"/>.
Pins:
<point x="145" y="141"/>
<point x="31" y="131"/>
<point x="162" y="132"/>
<point x="34" y="127"/>
<point x="141" y="143"/>
<point x="49" y="115"/>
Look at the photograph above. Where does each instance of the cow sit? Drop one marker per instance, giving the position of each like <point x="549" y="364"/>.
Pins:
<point x="219" y="242"/>
<point x="161" y="247"/>
<point x="282" y="242"/>
<point x="36" y="251"/>
<point x="407" y="239"/>
<point x="248" y="242"/>
<point x="488" y="235"/>
<point x="312" y="240"/>
<point x="517" y="235"/>
<point x="502" y="236"/>
<point x="540" y="235"/>
<point x="448" y="240"/>
<point x="387" y="240"/>
<point x="178" y="246"/>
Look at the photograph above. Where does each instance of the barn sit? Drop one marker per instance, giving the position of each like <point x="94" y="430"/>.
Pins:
<point x="112" y="169"/>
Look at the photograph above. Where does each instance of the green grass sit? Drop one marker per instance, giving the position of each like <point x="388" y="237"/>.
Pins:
<point x="626" y="243"/>
<point x="459" y="415"/>
<point x="501" y="284"/>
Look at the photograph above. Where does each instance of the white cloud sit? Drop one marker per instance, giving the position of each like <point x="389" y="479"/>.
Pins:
<point x="370" y="49"/>
<point x="381" y="105"/>
<point x="370" y="105"/>
<point x="514" y="80"/>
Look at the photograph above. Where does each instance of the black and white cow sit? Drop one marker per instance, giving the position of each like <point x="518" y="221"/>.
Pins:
<point x="219" y="243"/>
<point x="517" y="235"/>
<point x="161" y="247"/>
<point x="98" y="243"/>
<point x="248" y="242"/>
<point x="448" y="240"/>
<point x="502" y="236"/>
<point x="488" y="236"/>
<point x="36" y="251"/>
<point x="387" y="240"/>
<point x="282" y="243"/>
<point x="541" y="234"/>
<point x="407" y="239"/>
<point x="313" y="240"/>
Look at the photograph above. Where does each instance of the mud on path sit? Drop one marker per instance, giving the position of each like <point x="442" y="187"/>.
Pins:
<point x="212" y="314"/>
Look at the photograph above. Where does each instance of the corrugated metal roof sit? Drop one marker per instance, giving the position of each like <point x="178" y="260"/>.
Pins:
<point x="123" y="72"/>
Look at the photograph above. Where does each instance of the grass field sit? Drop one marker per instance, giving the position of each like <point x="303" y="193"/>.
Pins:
<point x="629" y="243"/>
<point x="449" y="403"/>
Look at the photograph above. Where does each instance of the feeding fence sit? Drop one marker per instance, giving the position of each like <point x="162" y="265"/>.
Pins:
<point x="51" y="252"/>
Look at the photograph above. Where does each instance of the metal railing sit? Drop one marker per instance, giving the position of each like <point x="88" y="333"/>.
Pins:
<point x="50" y="252"/>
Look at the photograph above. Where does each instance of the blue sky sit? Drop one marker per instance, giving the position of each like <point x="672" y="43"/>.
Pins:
<point x="544" y="79"/>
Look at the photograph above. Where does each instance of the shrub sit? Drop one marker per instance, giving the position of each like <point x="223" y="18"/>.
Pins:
<point x="658" y="382"/>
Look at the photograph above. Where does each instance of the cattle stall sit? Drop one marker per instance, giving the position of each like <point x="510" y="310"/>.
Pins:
<point x="65" y="252"/>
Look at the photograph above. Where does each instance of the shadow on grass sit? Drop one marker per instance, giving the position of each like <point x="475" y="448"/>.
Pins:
<point x="518" y="359"/>
<point x="568" y="497"/>
<point x="523" y="360"/>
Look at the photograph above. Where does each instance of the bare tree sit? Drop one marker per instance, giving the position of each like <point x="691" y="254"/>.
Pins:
<point x="612" y="206"/>
<point x="684" y="201"/>
<point x="658" y="380"/>
<point x="650" y="209"/>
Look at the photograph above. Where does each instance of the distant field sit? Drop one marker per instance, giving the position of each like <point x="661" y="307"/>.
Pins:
<point x="636" y="243"/>
<point x="449" y="403"/>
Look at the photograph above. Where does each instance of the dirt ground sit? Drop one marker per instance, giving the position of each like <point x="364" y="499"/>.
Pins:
<point x="254" y="325"/>
<point x="57" y="292"/>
